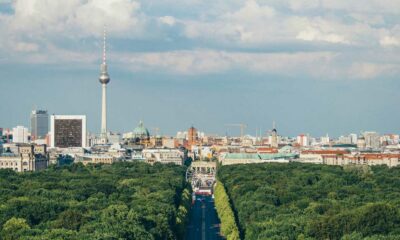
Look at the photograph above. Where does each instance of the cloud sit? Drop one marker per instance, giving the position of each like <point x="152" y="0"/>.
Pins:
<point x="314" y="34"/>
<point x="255" y="24"/>
<point x="317" y="38"/>
<point x="169" y="20"/>
<point x="74" y="17"/>
<point x="389" y="41"/>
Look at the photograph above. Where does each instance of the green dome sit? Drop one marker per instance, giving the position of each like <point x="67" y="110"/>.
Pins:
<point x="140" y="131"/>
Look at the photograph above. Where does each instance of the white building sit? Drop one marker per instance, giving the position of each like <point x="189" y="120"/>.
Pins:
<point x="68" y="131"/>
<point x="325" y="140"/>
<point x="372" y="140"/>
<point x="20" y="134"/>
<point x="344" y="140"/>
<point x="303" y="140"/>
<point x="353" y="138"/>
<point x="181" y="135"/>
<point x="95" y="159"/>
<point x="153" y="155"/>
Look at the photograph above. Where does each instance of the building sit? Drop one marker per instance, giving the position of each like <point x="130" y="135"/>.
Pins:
<point x="303" y="140"/>
<point x="139" y="136"/>
<point x="192" y="136"/>
<point x="372" y="140"/>
<point x="104" y="80"/>
<point x="391" y="160"/>
<point x="68" y="131"/>
<point x="20" y="134"/>
<point x="316" y="156"/>
<point x="25" y="157"/>
<point x="181" y="135"/>
<point x="163" y="156"/>
<point x="39" y="124"/>
<point x="248" y="158"/>
<point x="353" y="138"/>
<point x="274" y="137"/>
<point x="325" y="140"/>
<point x="7" y="136"/>
<point x="169" y="142"/>
<point x="95" y="159"/>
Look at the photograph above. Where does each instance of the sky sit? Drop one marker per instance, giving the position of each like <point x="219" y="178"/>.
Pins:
<point x="312" y="66"/>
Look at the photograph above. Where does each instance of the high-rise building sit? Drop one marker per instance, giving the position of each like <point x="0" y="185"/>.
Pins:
<point x="353" y="138"/>
<point x="68" y="131"/>
<point x="20" y="134"/>
<point x="192" y="136"/>
<point x="39" y="124"/>
<point x="372" y="140"/>
<point x="274" y="136"/>
<point x="104" y="80"/>
<point x="325" y="140"/>
<point x="303" y="140"/>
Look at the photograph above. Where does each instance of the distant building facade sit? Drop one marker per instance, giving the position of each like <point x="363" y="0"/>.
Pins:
<point x="372" y="140"/>
<point x="391" y="160"/>
<point x="68" y="131"/>
<point x="25" y="157"/>
<point x="39" y="124"/>
<point x="192" y="136"/>
<point x="316" y="156"/>
<point x="163" y="156"/>
<point x="303" y="140"/>
<point x="95" y="159"/>
<point x="20" y="134"/>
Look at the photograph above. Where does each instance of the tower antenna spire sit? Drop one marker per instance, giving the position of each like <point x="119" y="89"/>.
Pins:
<point x="104" y="43"/>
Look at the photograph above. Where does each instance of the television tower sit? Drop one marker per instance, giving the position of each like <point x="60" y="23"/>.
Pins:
<point x="104" y="80"/>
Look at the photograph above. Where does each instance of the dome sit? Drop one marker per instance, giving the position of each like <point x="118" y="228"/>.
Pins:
<point x="140" y="131"/>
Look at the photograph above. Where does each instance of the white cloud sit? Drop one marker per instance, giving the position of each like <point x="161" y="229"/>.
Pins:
<point x="314" y="34"/>
<point x="77" y="17"/>
<point x="40" y="30"/>
<point x="255" y="24"/>
<point x="319" y="65"/>
<point x="204" y="61"/>
<point x="389" y="41"/>
<point x="169" y="20"/>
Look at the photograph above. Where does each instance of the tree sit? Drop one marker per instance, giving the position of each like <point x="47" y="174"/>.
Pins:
<point x="14" y="228"/>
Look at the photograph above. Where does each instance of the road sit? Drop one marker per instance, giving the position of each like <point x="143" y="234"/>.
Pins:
<point x="204" y="222"/>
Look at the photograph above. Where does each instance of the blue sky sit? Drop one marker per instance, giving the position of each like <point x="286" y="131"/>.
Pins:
<point x="313" y="66"/>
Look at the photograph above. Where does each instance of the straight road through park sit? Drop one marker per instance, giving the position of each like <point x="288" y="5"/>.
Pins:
<point x="204" y="222"/>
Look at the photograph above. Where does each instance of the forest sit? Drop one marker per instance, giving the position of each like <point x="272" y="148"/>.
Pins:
<point x="119" y="201"/>
<point x="308" y="201"/>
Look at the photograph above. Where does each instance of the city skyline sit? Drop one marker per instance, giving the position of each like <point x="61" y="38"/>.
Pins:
<point x="325" y="75"/>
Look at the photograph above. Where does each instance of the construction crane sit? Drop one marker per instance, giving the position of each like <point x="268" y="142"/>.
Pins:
<point x="241" y="125"/>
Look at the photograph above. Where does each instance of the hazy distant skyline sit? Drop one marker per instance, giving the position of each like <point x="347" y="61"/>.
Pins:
<point x="314" y="66"/>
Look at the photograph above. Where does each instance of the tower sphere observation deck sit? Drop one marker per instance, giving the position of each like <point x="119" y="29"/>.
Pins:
<point x="104" y="77"/>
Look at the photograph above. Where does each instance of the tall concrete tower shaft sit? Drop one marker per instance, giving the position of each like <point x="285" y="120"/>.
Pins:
<point x="104" y="80"/>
